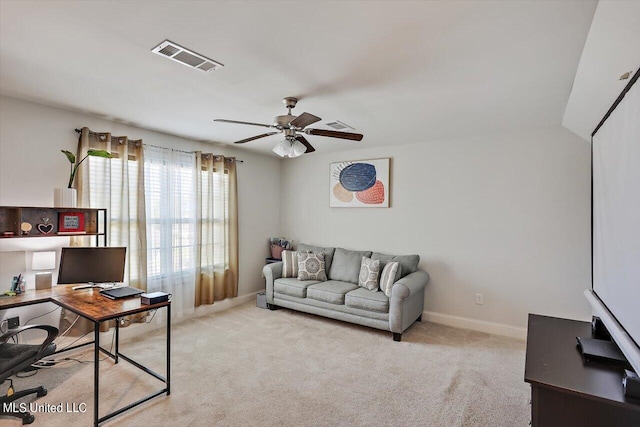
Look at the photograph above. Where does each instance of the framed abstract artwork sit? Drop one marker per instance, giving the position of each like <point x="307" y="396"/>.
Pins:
<point x="359" y="184"/>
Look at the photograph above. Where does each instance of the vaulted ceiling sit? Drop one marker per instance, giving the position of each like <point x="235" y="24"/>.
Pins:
<point x="398" y="72"/>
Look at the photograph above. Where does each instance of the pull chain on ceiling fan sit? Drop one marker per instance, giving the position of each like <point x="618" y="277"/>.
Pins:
<point x="293" y="144"/>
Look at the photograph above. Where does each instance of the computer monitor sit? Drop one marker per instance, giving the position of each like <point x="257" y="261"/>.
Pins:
<point x="92" y="265"/>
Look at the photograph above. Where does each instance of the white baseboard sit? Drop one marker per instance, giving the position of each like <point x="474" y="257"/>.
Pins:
<point x="475" y="325"/>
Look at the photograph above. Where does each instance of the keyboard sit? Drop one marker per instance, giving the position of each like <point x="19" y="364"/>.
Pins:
<point x="98" y="285"/>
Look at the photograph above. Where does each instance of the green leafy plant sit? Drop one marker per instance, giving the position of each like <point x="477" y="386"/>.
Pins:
<point x="75" y="166"/>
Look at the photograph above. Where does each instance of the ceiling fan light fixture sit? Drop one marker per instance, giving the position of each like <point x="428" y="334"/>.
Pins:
<point x="289" y="148"/>
<point x="282" y="148"/>
<point x="293" y="127"/>
<point x="297" y="149"/>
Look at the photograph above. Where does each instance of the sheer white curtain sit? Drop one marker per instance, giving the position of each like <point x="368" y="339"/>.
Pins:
<point x="170" y="195"/>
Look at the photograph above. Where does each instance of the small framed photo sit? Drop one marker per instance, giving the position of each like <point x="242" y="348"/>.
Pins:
<point x="71" y="223"/>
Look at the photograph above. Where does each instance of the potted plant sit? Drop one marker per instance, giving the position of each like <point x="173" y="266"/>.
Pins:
<point x="67" y="197"/>
<point x="74" y="166"/>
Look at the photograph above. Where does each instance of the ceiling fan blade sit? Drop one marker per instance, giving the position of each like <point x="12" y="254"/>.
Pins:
<point x="242" y="141"/>
<point x="304" y="120"/>
<point x="334" y="134"/>
<point x="242" y="123"/>
<point x="304" y="141"/>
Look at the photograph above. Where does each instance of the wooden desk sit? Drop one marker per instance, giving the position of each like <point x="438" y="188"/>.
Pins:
<point x="89" y="304"/>
<point x="566" y="391"/>
<point x="31" y="296"/>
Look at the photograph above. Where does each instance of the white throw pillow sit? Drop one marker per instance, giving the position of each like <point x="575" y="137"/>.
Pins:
<point x="388" y="277"/>
<point x="369" y="272"/>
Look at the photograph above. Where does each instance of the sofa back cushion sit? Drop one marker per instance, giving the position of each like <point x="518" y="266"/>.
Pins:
<point x="328" y="253"/>
<point x="408" y="263"/>
<point x="345" y="265"/>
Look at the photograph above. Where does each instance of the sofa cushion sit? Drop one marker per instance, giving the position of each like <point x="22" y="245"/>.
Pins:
<point x="369" y="273"/>
<point x="332" y="291"/>
<point x="408" y="263"/>
<point x="289" y="264"/>
<point x="293" y="287"/>
<point x="389" y="277"/>
<point x="311" y="266"/>
<point x="346" y="265"/>
<point x="367" y="300"/>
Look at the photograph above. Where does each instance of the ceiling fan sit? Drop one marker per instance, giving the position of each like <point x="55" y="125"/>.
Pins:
<point x="293" y="144"/>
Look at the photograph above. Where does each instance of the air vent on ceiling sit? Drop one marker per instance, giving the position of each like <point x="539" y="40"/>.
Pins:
<point x="186" y="57"/>
<point x="338" y="125"/>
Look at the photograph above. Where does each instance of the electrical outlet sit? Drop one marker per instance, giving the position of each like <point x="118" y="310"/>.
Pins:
<point x="479" y="299"/>
<point x="13" y="322"/>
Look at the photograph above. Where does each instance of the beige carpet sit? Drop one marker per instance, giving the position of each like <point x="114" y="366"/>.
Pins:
<point x="253" y="367"/>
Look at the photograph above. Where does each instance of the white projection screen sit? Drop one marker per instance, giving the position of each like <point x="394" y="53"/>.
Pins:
<point x="616" y="213"/>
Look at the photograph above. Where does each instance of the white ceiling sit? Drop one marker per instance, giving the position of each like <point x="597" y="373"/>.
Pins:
<point x="399" y="72"/>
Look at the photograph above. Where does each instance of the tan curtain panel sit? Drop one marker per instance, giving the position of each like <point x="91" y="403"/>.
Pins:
<point x="217" y="229"/>
<point x="118" y="185"/>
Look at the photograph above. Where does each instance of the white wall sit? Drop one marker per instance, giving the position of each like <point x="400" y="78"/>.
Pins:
<point x="31" y="166"/>
<point x="507" y="216"/>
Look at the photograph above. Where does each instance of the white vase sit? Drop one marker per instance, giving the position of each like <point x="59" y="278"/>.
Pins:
<point x="65" y="198"/>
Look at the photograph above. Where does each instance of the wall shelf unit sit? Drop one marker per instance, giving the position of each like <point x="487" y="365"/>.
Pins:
<point x="45" y="222"/>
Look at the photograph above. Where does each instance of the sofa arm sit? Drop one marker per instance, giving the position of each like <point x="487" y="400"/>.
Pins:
<point x="410" y="285"/>
<point x="407" y="300"/>
<point x="271" y="272"/>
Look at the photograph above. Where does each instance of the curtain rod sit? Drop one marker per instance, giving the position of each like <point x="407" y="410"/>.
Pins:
<point x="157" y="146"/>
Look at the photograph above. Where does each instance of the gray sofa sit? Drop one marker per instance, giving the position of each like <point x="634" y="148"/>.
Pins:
<point x="341" y="298"/>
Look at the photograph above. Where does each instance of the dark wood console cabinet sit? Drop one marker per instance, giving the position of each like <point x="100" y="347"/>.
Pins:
<point x="566" y="391"/>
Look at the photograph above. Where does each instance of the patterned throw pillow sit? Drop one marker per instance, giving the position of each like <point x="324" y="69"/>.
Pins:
<point x="311" y="266"/>
<point x="369" y="272"/>
<point x="289" y="264"/>
<point x="388" y="277"/>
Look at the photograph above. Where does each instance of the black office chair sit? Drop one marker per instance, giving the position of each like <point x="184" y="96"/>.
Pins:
<point x="18" y="357"/>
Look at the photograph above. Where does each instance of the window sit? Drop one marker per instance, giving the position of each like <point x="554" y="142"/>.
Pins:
<point x="169" y="214"/>
<point x="170" y="194"/>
